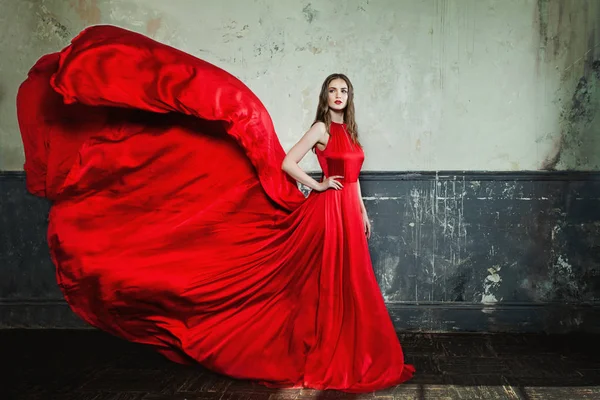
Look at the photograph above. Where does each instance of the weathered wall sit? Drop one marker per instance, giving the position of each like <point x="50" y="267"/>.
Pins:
<point x="452" y="252"/>
<point x="441" y="84"/>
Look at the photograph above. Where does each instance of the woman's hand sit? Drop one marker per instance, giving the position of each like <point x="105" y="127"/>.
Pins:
<point x="330" y="183"/>
<point x="367" y="225"/>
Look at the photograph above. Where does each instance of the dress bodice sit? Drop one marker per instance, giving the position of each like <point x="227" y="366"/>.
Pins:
<point x="341" y="156"/>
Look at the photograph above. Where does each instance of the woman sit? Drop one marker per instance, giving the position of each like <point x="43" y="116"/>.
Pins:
<point x="336" y="105"/>
<point x="361" y="326"/>
<point x="173" y="224"/>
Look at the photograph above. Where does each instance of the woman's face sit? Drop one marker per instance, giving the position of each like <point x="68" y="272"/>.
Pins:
<point x="337" y="94"/>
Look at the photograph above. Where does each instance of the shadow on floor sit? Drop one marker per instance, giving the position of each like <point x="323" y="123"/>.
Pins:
<point x="91" y="365"/>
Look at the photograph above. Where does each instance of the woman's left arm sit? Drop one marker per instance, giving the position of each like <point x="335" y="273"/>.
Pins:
<point x="363" y="210"/>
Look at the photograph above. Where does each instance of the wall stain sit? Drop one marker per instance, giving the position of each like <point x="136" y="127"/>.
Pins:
<point x="553" y="36"/>
<point x="568" y="50"/>
<point x="315" y="50"/>
<point x="573" y="122"/>
<point x="542" y="20"/>
<point x="233" y="32"/>
<point x="556" y="39"/>
<point x="268" y="49"/>
<point x="88" y="11"/>
<point x="309" y="13"/>
<point x="362" y="7"/>
<point x="49" y="27"/>
<point x="551" y="161"/>
<point x="153" y="25"/>
<point x="596" y="69"/>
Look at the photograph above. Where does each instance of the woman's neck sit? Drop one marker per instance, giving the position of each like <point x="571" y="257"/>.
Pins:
<point x="336" y="116"/>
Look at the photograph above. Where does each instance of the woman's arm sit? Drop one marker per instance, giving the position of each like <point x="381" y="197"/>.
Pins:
<point x="360" y="199"/>
<point x="363" y="210"/>
<point x="314" y="135"/>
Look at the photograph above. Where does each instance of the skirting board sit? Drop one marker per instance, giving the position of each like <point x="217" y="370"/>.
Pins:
<point x="550" y="318"/>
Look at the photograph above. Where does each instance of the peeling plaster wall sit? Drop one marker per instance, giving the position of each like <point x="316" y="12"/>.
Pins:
<point x="569" y="59"/>
<point x="440" y="84"/>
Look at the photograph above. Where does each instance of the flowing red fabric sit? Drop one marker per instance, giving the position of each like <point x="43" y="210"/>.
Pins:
<point x="173" y="225"/>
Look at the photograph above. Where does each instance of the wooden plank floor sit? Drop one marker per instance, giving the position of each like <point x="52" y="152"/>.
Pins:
<point x="91" y="365"/>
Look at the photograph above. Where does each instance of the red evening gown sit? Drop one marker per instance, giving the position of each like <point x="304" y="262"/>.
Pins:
<point x="173" y="225"/>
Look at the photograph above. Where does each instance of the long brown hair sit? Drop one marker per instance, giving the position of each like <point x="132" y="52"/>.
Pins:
<point x="323" y="107"/>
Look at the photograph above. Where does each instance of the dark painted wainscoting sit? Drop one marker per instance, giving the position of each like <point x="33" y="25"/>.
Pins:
<point x="453" y="251"/>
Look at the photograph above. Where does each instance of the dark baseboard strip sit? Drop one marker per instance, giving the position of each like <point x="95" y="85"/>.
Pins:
<point x="549" y="318"/>
<point x="38" y="314"/>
